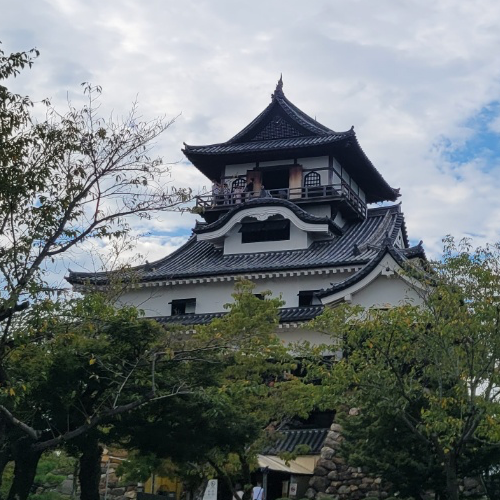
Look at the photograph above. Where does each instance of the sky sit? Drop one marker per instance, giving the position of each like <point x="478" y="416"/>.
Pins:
<point x="418" y="79"/>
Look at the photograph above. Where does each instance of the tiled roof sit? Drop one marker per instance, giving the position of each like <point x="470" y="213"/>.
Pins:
<point x="200" y="258"/>
<point x="269" y="145"/>
<point x="286" y="315"/>
<point x="299" y="212"/>
<point x="283" y="128"/>
<point x="296" y="116"/>
<point x="314" y="438"/>
<point x="415" y="251"/>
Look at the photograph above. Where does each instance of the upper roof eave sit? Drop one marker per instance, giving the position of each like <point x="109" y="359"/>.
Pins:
<point x="226" y="148"/>
<point x="310" y="138"/>
<point x="344" y="146"/>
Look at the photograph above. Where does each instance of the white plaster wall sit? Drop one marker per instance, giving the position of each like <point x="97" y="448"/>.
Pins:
<point x="297" y="335"/>
<point x="313" y="163"/>
<point x="384" y="291"/>
<point x="339" y="220"/>
<point x="238" y="169"/>
<point x="293" y="335"/>
<point x="232" y="243"/>
<point x="211" y="297"/>
<point x="336" y="168"/>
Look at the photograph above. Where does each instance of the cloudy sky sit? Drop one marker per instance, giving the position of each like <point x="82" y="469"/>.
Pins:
<point x="418" y="79"/>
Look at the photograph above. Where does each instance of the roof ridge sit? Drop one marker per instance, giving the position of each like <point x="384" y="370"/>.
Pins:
<point x="358" y="275"/>
<point x="304" y="119"/>
<point x="379" y="233"/>
<point x="291" y="110"/>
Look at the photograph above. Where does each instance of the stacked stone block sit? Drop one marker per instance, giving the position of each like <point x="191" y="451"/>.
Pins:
<point x="335" y="479"/>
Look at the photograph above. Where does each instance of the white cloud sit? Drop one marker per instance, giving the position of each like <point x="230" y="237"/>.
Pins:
<point x="409" y="76"/>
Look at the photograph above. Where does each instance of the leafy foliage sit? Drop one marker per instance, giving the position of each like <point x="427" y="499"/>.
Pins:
<point x="426" y="377"/>
<point x="66" y="179"/>
<point x="249" y="392"/>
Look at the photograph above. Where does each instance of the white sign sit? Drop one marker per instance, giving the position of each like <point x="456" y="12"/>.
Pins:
<point x="293" y="489"/>
<point x="211" y="490"/>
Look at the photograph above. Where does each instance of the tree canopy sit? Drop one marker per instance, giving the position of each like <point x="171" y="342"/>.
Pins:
<point x="425" y="377"/>
<point x="65" y="179"/>
<point x="255" y="385"/>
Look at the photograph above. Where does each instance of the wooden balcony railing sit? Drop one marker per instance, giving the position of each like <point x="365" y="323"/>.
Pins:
<point x="341" y="191"/>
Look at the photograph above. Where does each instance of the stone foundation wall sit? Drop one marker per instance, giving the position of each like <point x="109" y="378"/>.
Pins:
<point x="334" y="478"/>
<point x="116" y="489"/>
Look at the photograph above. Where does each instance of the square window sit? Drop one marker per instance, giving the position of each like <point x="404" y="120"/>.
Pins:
<point x="270" y="230"/>
<point x="183" y="306"/>
<point x="306" y="297"/>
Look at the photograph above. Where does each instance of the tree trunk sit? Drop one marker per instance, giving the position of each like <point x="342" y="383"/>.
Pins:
<point x="452" y="491"/>
<point x="5" y="458"/>
<point x="26" y="461"/>
<point x="5" y="452"/>
<point x="246" y="476"/>
<point x="200" y="490"/>
<point x="90" y="468"/>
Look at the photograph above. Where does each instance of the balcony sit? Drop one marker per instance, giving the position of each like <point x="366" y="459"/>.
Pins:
<point x="340" y="193"/>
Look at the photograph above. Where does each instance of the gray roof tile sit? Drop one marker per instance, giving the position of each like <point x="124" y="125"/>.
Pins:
<point x="268" y="145"/>
<point x="286" y="315"/>
<point x="200" y="258"/>
<point x="400" y="255"/>
<point x="290" y="439"/>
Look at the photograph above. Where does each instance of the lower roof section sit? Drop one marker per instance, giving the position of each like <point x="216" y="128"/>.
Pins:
<point x="290" y="439"/>
<point x="359" y="244"/>
<point x="286" y="315"/>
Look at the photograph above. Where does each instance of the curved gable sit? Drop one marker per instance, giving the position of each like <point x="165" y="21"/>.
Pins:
<point x="303" y="230"/>
<point x="387" y="264"/>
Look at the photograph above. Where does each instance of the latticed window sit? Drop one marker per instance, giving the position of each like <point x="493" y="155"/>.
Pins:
<point x="312" y="179"/>
<point x="240" y="182"/>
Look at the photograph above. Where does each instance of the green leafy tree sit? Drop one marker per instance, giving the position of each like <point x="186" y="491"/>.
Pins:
<point x="64" y="180"/>
<point x="425" y="378"/>
<point x="252" y="388"/>
<point x="91" y="363"/>
<point x="80" y="367"/>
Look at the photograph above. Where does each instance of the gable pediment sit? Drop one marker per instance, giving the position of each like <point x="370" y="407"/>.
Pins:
<point x="274" y="123"/>
<point x="277" y="128"/>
